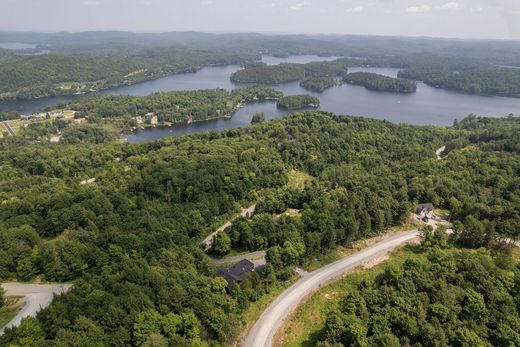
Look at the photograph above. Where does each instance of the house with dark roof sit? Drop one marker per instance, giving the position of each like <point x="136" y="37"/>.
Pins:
<point x="423" y="211"/>
<point x="238" y="272"/>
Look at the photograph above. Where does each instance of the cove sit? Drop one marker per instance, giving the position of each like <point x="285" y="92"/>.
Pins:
<point x="428" y="106"/>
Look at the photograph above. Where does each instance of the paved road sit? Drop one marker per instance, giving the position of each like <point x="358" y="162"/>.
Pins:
<point x="264" y="330"/>
<point x="246" y="212"/>
<point x="36" y="297"/>
<point x="439" y="152"/>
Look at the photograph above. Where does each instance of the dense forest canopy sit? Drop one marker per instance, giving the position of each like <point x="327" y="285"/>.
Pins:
<point x="102" y="118"/>
<point x="269" y="74"/>
<point x="297" y="102"/>
<point x="179" y="106"/>
<point x="288" y="72"/>
<point x="318" y="84"/>
<point x="380" y="83"/>
<point x="80" y="63"/>
<point x="126" y="43"/>
<point x="28" y="77"/>
<point x="436" y="298"/>
<point x="130" y="239"/>
<point x="486" y="80"/>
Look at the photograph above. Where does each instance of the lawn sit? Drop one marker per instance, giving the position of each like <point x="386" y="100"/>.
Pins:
<point x="516" y="252"/>
<point x="298" y="179"/>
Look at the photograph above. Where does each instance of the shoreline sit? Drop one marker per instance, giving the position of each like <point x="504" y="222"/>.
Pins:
<point x="239" y="106"/>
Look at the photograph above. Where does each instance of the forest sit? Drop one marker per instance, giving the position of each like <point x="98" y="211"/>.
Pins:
<point x="130" y="240"/>
<point x="118" y="43"/>
<point x="29" y="77"/>
<point x="318" y="84"/>
<point x="83" y="63"/>
<point x="174" y="107"/>
<point x="380" y="83"/>
<point x="297" y="102"/>
<point x="288" y="72"/>
<point x="483" y="80"/>
<point x="103" y="118"/>
<point x="264" y="74"/>
<point x="435" y="296"/>
<point x="9" y="116"/>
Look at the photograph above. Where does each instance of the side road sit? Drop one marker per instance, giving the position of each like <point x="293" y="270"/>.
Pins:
<point x="35" y="298"/>
<point x="264" y="330"/>
<point x="246" y="212"/>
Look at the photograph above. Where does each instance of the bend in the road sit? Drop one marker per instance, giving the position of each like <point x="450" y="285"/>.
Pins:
<point x="263" y="332"/>
<point x="35" y="298"/>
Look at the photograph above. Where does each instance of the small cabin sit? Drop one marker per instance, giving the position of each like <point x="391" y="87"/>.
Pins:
<point x="424" y="211"/>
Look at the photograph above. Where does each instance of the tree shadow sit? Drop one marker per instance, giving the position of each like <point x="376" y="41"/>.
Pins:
<point x="314" y="338"/>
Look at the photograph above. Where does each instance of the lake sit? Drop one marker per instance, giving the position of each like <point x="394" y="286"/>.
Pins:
<point x="427" y="106"/>
<point x="16" y="46"/>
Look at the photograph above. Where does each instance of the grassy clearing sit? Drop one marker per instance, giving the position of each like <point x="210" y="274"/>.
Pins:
<point x="16" y="125"/>
<point x="10" y="310"/>
<point x="516" y="252"/>
<point x="303" y="329"/>
<point x="298" y="179"/>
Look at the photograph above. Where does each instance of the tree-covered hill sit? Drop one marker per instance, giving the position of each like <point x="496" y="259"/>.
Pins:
<point x="297" y="102"/>
<point x="380" y="83"/>
<point x="130" y="239"/>
<point x="436" y="296"/>
<point x="483" y="80"/>
<point x="29" y="77"/>
<point x="317" y="84"/>
<point x="175" y="107"/>
<point x="286" y="72"/>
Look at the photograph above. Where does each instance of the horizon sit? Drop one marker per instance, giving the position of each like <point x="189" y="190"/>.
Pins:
<point x="461" y="19"/>
<point x="265" y="33"/>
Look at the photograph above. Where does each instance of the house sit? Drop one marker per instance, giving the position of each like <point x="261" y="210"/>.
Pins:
<point x="152" y="118"/>
<point x="424" y="211"/>
<point x="237" y="273"/>
<point x="87" y="182"/>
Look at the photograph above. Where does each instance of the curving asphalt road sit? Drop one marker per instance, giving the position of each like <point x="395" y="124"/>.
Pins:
<point x="36" y="297"/>
<point x="263" y="332"/>
<point x="439" y="152"/>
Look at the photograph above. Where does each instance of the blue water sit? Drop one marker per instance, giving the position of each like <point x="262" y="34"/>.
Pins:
<point x="427" y="106"/>
<point x="16" y="45"/>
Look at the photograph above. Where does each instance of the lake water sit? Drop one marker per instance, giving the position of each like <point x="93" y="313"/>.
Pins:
<point x="16" y="45"/>
<point x="427" y="106"/>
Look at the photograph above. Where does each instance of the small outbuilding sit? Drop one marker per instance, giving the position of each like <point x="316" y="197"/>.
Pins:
<point x="428" y="207"/>
<point x="424" y="211"/>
